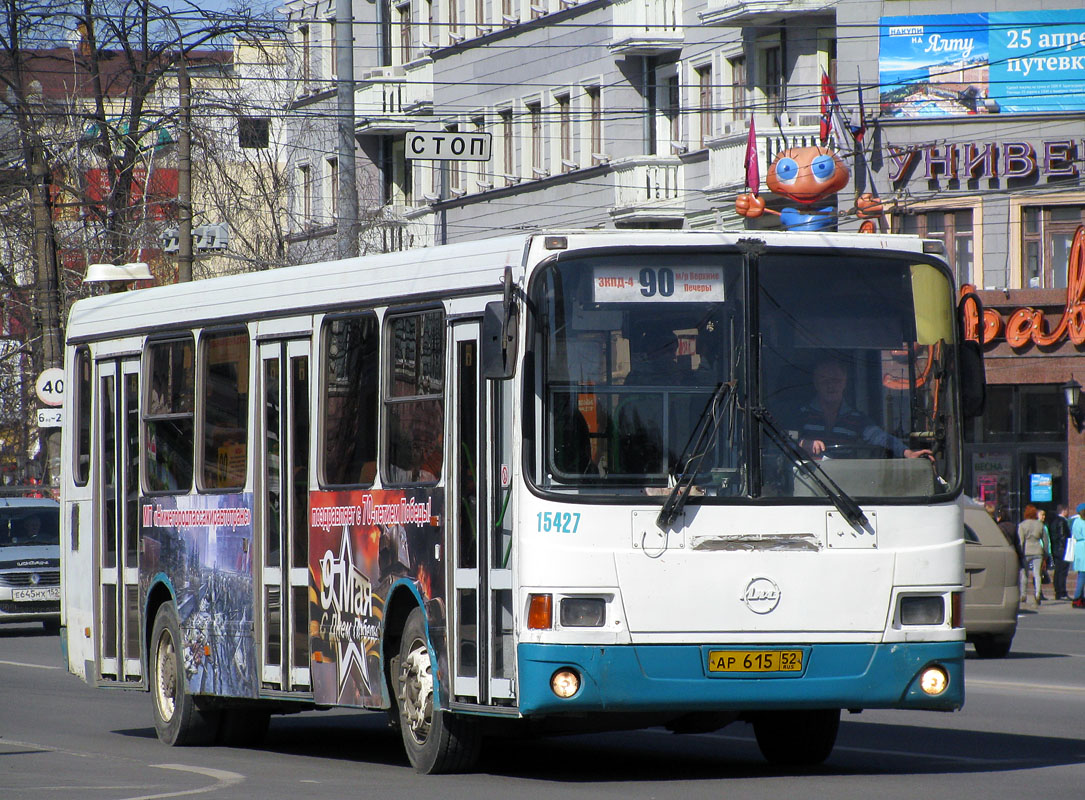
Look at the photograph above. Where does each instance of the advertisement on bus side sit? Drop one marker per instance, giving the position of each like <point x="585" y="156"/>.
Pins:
<point x="361" y="544"/>
<point x="202" y="545"/>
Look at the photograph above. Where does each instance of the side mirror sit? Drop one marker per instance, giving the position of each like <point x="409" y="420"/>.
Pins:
<point x="973" y="379"/>
<point x="973" y="376"/>
<point x="499" y="340"/>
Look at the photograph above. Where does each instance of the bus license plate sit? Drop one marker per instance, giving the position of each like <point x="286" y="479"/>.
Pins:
<point x="755" y="660"/>
<point x="30" y="595"/>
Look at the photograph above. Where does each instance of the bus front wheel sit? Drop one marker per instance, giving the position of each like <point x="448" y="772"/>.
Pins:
<point x="797" y="738"/>
<point x="177" y="718"/>
<point x="435" y="740"/>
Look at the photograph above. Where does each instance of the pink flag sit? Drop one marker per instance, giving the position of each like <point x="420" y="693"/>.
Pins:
<point x="753" y="172"/>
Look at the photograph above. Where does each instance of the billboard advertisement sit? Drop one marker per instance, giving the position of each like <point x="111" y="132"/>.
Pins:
<point x="1014" y="62"/>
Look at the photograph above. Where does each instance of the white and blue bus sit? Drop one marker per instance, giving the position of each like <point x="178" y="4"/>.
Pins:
<point x="552" y="481"/>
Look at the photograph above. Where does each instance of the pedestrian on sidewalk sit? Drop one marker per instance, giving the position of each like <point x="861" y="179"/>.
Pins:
<point x="1077" y="530"/>
<point x="1034" y="547"/>
<point x="1060" y="532"/>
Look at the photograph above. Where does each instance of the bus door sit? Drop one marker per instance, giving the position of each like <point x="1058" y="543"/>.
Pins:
<point x="117" y="523"/>
<point x="283" y="501"/>
<point x="481" y="582"/>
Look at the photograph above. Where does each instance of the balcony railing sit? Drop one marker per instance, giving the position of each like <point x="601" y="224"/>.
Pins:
<point x="648" y="188"/>
<point x="388" y="100"/>
<point x="647" y="27"/>
<point x="727" y="154"/>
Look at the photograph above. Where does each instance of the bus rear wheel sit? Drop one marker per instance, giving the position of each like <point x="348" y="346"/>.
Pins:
<point x="178" y="720"/>
<point x="435" y="740"/>
<point x="797" y="738"/>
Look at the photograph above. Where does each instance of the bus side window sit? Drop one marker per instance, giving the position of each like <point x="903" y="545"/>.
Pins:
<point x="225" y="370"/>
<point x="168" y="424"/>
<point x="414" y="398"/>
<point x="351" y="379"/>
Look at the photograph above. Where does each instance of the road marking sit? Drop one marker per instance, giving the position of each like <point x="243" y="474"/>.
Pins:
<point x="223" y="779"/>
<point x="1056" y="688"/>
<point x="32" y="666"/>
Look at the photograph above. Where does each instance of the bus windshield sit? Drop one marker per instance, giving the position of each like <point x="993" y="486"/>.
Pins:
<point x="642" y="374"/>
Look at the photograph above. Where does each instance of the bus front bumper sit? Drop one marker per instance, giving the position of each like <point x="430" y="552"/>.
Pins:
<point x="653" y="678"/>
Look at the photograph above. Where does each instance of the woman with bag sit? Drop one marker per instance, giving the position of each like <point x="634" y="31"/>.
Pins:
<point x="1035" y="549"/>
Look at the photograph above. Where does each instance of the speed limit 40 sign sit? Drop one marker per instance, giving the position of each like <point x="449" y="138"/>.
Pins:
<point x="50" y="386"/>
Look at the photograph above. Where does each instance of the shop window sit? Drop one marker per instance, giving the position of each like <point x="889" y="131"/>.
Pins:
<point x="1016" y="413"/>
<point x="1046" y="235"/>
<point x="954" y="229"/>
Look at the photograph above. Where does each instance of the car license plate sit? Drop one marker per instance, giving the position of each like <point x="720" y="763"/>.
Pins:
<point x="755" y="660"/>
<point x="30" y="595"/>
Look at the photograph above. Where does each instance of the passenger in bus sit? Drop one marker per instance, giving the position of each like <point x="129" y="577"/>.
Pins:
<point x="653" y="351"/>
<point x="830" y="422"/>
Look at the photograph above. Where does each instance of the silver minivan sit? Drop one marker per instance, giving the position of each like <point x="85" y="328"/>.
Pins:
<point x="991" y="592"/>
<point x="30" y="561"/>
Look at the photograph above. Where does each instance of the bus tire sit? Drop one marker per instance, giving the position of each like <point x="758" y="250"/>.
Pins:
<point x="800" y="738"/>
<point x="178" y="720"/>
<point x="435" y="740"/>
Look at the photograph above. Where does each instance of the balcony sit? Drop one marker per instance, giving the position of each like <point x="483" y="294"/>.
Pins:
<point x="647" y="27"/>
<point x="648" y="189"/>
<point x="389" y="100"/>
<point x="727" y="154"/>
<point x="763" y="12"/>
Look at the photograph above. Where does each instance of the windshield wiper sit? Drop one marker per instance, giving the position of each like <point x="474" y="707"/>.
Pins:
<point x="841" y="499"/>
<point x="689" y="462"/>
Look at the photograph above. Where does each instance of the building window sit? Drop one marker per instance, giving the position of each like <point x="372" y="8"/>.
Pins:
<point x="333" y="185"/>
<point x="1046" y="237"/>
<point x="534" y="115"/>
<point x="306" y="55"/>
<point x="405" y="34"/>
<point x="333" y="54"/>
<point x="455" y="176"/>
<point x="254" y="132"/>
<point x="1020" y="412"/>
<point x="772" y="75"/>
<point x="565" y="133"/>
<point x="954" y="229"/>
<point x="305" y="195"/>
<point x="671" y="106"/>
<point x="508" y="13"/>
<point x="481" y="28"/>
<point x="454" y="33"/>
<point x="595" y="123"/>
<point x="738" y="87"/>
<point x="508" y="146"/>
<point x="704" y="101"/>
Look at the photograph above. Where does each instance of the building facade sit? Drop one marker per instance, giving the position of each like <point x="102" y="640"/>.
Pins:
<point x="614" y="113"/>
<point x="977" y="141"/>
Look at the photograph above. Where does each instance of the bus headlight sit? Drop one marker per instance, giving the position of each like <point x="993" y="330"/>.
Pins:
<point x="583" y="612"/>
<point x="922" y="610"/>
<point x="934" y="680"/>
<point x="565" y="682"/>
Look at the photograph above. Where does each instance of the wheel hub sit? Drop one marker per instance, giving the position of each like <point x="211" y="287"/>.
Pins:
<point x="166" y="670"/>
<point x="416" y="692"/>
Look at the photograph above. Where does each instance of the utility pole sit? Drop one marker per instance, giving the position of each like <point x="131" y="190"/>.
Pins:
<point x="184" y="175"/>
<point x="46" y="302"/>
<point x="346" y="224"/>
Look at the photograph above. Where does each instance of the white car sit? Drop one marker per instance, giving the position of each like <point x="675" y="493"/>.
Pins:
<point x="30" y="561"/>
<point x="991" y="593"/>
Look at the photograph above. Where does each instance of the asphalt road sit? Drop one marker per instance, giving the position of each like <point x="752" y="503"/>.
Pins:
<point x="1021" y="733"/>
